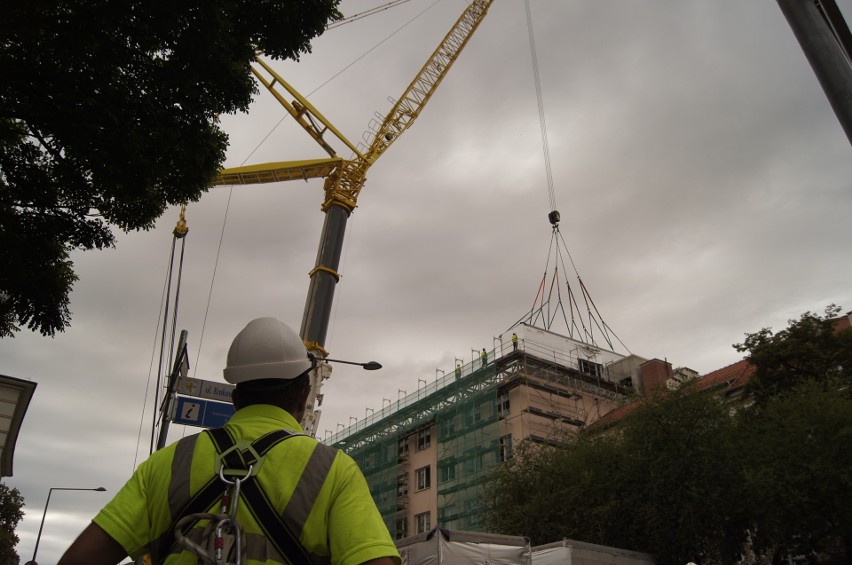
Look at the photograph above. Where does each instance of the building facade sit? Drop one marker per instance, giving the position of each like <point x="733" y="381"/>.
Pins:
<point x="426" y="457"/>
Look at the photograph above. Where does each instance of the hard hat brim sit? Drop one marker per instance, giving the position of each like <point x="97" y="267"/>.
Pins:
<point x="282" y="370"/>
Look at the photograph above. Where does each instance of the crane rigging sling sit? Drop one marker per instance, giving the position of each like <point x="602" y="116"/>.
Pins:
<point x="240" y="460"/>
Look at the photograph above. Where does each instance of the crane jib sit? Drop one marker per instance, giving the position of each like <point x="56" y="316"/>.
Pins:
<point x="345" y="178"/>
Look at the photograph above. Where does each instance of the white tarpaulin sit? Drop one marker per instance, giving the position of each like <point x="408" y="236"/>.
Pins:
<point x="452" y="547"/>
<point x="570" y="552"/>
<point x="552" y="556"/>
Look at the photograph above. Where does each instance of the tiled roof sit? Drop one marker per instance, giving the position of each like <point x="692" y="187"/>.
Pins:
<point x="731" y="377"/>
<point x="841" y="323"/>
<point x="613" y="416"/>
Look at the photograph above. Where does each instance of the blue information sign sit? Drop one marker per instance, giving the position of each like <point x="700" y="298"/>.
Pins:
<point x="202" y="413"/>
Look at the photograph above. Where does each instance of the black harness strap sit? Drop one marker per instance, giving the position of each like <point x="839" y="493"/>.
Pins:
<point x="274" y="528"/>
<point x="258" y="503"/>
<point x="270" y="521"/>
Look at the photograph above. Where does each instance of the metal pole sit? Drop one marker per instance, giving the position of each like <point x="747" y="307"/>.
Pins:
<point x="44" y="514"/>
<point x="825" y="52"/>
<point x="181" y="364"/>
<point x="40" y="528"/>
<point x="163" y="342"/>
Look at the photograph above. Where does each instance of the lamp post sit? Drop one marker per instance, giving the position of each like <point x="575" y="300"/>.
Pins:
<point x="44" y="515"/>
<point x="368" y="366"/>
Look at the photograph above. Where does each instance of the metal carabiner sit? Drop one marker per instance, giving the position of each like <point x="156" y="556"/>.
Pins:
<point x="235" y="495"/>
<point x="235" y="530"/>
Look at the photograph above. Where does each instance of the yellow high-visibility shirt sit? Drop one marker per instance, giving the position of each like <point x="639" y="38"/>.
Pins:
<point x="341" y="525"/>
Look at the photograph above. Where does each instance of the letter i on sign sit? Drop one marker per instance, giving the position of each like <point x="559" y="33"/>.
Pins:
<point x="191" y="411"/>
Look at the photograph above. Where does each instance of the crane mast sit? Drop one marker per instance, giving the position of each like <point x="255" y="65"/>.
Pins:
<point x="344" y="179"/>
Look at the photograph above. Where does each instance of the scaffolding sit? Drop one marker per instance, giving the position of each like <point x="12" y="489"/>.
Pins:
<point x="467" y="419"/>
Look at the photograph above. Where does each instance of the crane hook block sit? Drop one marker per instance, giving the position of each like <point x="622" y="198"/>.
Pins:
<point x="181" y="228"/>
<point x="553" y="217"/>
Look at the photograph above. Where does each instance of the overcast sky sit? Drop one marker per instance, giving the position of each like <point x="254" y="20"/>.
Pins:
<point x="704" y="184"/>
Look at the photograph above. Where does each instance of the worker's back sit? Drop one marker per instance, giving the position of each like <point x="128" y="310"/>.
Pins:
<point x="328" y="511"/>
<point x="297" y="501"/>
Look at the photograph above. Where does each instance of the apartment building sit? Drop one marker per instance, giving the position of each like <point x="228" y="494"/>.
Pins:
<point x="427" y="456"/>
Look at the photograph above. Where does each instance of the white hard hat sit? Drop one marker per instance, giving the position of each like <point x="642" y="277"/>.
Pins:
<point x="267" y="348"/>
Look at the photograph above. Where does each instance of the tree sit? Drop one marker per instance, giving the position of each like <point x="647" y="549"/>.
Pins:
<point x="108" y="115"/>
<point x="688" y="496"/>
<point x="576" y="490"/>
<point x="665" y="483"/>
<point x="11" y="503"/>
<point x="797" y="435"/>
<point x="687" y="477"/>
<point x="810" y="349"/>
<point x="797" y="471"/>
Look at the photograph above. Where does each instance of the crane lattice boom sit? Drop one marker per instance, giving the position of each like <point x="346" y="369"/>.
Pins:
<point x="344" y="179"/>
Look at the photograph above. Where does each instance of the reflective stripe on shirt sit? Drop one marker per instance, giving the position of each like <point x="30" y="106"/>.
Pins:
<point x="295" y="514"/>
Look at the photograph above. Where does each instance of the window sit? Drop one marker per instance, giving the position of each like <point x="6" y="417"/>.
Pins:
<point x="503" y="405"/>
<point x="369" y="461"/>
<point x="381" y="498"/>
<point x="401" y="528"/>
<point x="473" y="464"/>
<point x="424" y="522"/>
<point x="447" y="428"/>
<point x="403" y="448"/>
<point x="424" y="438"/>
<point x="590" y="367"/>
<point x="505" y="447"/>
<point x="402" y="485"/>
<point x="473" y="415"/>
<point x="472" y="505"/>
<point x="446" y="472"/>
<point x="446" y="513"/>
<point x="424" y="479"/>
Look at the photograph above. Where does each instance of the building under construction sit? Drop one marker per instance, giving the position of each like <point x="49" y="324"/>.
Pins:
<point x="426" y="456"/>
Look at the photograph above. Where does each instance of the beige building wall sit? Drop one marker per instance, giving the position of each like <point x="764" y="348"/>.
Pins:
<point x="538" y="410"/>
<point x="418" y="509"/>
<point x="551" y="385"/>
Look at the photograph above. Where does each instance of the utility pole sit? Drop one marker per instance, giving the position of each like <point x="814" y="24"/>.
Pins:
<point x="180" y="370"/>
<point x="824" y="37"/>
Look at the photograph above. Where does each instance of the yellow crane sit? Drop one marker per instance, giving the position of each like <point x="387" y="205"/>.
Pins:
<point x="344" y="178"/>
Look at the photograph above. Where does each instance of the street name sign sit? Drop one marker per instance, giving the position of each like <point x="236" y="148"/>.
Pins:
<point x="204" y="389"/>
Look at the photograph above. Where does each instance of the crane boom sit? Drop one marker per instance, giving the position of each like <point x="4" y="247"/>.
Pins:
<point x="418" y="93"/>
<point x="346" y="182"/>
<point x="344" y="179"/>
<point x="277" y="172"/>
<point x="302" y="111"/>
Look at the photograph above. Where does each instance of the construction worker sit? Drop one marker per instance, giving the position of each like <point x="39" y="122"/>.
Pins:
<point x="484" y="357"/>
<point x="458" y="370"/>
<point x="514" y="341"/>
<point x="314" y="505"/>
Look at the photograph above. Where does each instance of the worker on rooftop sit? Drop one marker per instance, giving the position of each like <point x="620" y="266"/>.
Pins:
<point x="296" y="500"/>
<point x="484" y="357"/>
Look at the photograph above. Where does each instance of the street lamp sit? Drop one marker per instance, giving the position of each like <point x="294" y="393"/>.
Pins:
<point x="44" y="515"/>
<point x="369" y="365"/>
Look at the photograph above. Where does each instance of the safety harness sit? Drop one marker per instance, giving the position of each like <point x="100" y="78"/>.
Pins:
<point x="237" y="463"/>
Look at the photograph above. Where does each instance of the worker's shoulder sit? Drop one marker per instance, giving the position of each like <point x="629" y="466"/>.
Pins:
<point x="315" y="445"/>
<point x="269" y="438"/>
<point x="295" y="440"/>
